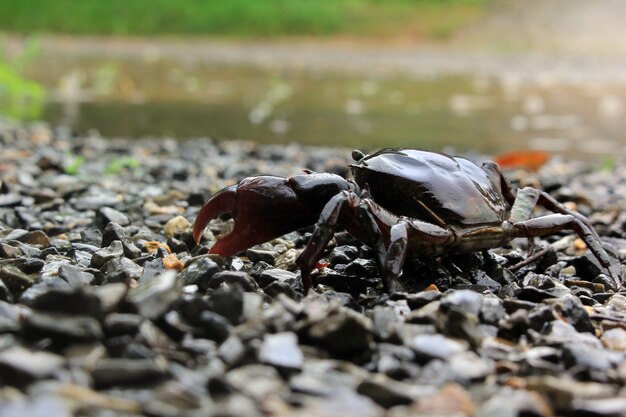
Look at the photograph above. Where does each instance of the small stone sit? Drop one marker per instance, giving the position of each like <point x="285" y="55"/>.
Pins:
<point x="179" y="245"/>
<point x="450" y="400"/>
<point x="606" y="407"/>
<point x="227" y="301"/>
<point x="175" y="226"/>
<point x="120" y="372"/>
<point x="256" y="381"/>
<point x="279" y="287"/>
<point x="343" y="333"/>
<point x="257" y="255"/>
<point x="114" y="250"/>
<point x="389" y="393"/>
<point x="87" y="398"/>
<point x="428" y="314"/>
<point x="5" y="294"/>
<point x="215" y="326"/>
<point x="513" y="403"/>
<point x="483" y="280"/>
<point x="384" y="321"/>
<point x="153" y="246"/>
<point x="276" y="275"/>
<point x="574" y="312"/>
<point x="232" y="351"/>
<point x="93" y="202"/>
<point x="561" y="332"/>
<point x="232" y="278"/>
<point x="436" y="346"/>
<point x="345" y="403"/>
<point x="416" y="301"/>
<point x="464" y="300"/>
<point x="62" y="326"/>
<point x="117" y="324"/>
<point x="615" y="339"/>
<point x="20" y="366"/>
<point x="252" y="305"/>
<point x="76" y="276"/>
<point x="14" y="279"/>
<point x="151" y="299"/>
<point x="108" y="214"/>
<point x="563" y="390"/>
<point x="492" y="310"/>
<point x="587" y="266"/>
<point x="36" y="237"/>
<point x="10" y="200"/>
<point x="199" y="271"/>
<point x="121" y="270"/>
<point x="113" y="232"/>
<point x="9" y="251"/>
<point x="343" y="254"/>
<point x="111" y="295"/>
<point x="590" y="357"/>
<point x="91" y="237"/>
<point x="69" y="300"/>
<point x="282" y="351"/>
<point x="469" y="367"/>
<point x="362" y="268"/>
<point x="171" y="261"/>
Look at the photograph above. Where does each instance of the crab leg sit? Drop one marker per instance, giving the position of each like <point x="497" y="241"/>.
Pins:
<point x="323" y="232"/>
<point x="522" y="208"/>
<point x="552" y="223"/>
<point x="404" y="232"/>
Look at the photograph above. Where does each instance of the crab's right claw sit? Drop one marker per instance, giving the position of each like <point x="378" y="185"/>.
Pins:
<point x="263" y="208"/>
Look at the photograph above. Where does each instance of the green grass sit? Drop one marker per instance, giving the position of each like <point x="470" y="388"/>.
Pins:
<point x="238" y="18"/>
<point x="20" y="97"/>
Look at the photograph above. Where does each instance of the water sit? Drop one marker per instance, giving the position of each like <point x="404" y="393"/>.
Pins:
<point x="495" y="114"/>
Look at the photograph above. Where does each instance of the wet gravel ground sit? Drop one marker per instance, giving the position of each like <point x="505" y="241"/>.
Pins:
<point x="107" y="308"/>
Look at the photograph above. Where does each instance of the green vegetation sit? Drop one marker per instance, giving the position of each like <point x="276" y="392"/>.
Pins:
<point x="73" y="166"/>
<point x="247" y="18"/>
<point x="118" y="165"/>
<point x="20" y="98"/>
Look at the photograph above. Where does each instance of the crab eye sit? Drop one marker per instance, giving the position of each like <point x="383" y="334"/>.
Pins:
<point x="357" y="155"/>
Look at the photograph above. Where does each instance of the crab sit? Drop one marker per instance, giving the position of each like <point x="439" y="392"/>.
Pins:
<point x="402" y="203"/>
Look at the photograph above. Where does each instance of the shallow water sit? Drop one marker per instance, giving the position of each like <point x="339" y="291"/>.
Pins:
<point x="494" y="114"/>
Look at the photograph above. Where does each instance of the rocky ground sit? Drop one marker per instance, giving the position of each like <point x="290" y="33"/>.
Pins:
<point x="107" y="308"/>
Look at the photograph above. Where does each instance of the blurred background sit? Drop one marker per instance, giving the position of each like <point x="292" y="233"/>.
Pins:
<point x="459" y="75"/>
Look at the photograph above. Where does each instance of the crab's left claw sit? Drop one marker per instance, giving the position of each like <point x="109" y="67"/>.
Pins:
<point x="263" y="208"/>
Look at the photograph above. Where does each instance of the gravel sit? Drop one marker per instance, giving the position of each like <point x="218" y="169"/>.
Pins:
<point x="108" y="308"/>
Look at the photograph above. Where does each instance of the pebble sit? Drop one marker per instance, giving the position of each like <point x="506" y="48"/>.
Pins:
<point x="121" y="371"/>
<point x="113" y="232"/>
<point x="152" y="298"/>
<point x="343" y="333"/>
<point x="109" y="214"/>
<point x="102" y="256"/>
<point x="435" y="346"/>
<point x="20" y="366"/>
<point x="272" y="275"/>
<point x="62" y="327"/>
<point x="282" y="351"/>
<point x="175" y="226"/>
<point x="199" y="271"/>
<point x="615" y="339"/>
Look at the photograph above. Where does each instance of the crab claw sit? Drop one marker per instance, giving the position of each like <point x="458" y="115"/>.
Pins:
<point x="263" y="208"/>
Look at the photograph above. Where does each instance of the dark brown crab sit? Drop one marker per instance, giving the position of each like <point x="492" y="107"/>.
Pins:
<point x="402" y="201"/>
